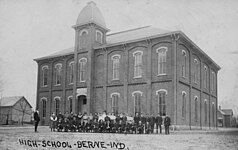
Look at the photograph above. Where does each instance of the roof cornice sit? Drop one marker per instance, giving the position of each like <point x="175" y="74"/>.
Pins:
<point x="200" y="50"/>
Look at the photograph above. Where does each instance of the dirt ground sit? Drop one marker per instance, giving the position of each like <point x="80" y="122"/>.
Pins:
<point x="24" y="138"/>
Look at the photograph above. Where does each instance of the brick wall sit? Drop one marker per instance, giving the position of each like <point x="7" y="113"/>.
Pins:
<point x="148" y="84"/>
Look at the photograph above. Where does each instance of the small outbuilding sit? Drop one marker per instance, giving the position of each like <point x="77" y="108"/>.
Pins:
<point x="225" y="117"/>
<point x="15" y="110"/>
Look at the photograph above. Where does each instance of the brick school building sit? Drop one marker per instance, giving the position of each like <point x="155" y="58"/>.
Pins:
<point x="146" y="70"/>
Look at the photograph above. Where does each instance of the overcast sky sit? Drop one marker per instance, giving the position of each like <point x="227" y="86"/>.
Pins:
<point x="34" y="28"/>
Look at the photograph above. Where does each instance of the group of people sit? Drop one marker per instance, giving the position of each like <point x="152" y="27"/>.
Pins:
<point x="109" y="123"/>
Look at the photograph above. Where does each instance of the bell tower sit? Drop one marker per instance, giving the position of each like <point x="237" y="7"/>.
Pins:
<point x="90" y="31"/>
<point x="90" y="28"/>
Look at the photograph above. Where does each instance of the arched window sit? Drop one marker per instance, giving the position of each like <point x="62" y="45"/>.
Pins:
<point x="196" y="108"/>
<point x="161" y="102"/>
<point x="115" y="66"/>
<point x="196" y="70"/>
<point x="45" y="75"/>
<point x="205" y="109"/>
<point x="183" y="105"/>
<point x="83" y="37"/>
<point x="82" y="69"/>
<point x="57" y="105"/>
<point x="115" y="98"/>
<point x="71" y="72"/>
<point x="184" y="63"/>
<point x="137" y="64"/>
<point x="213" y="112"/>
<point x="70" y="98"/>
<point x="58" y="71"/>
<point x="43" y="100"/>
<point x="162" y="60"/>
<point x="99" y="36"/>
<point x="205" y="76"/>
<point x="137" y="95"/>
<point x="213" y="84"/>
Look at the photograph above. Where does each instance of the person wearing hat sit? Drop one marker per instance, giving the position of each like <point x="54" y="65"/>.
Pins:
<point x="36" y="119"/>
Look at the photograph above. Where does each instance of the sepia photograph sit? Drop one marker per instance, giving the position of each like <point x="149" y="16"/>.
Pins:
<point x="118" y="74"/>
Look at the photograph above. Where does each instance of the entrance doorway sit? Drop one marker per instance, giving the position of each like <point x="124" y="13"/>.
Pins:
<point x="82" y="102"/>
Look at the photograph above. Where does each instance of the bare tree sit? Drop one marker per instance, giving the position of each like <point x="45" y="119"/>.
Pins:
<point x="23" y="109"/>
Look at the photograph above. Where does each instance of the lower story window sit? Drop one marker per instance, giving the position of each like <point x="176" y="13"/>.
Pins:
<point x="137" y="101"/>
<point x="161" y="102"/>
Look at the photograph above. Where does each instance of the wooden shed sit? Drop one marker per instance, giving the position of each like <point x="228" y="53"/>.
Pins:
<point x="15" y="110"/>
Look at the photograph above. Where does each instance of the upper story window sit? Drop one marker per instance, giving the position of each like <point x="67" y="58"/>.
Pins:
<point x="183" y="105"/>
<point x="99" y="36"/>
<point x="82" y="69"/>
<point x="115" y="98"/>
<point x="213" y="84"/>
<point x="115" y="67"/>
<point x="162" y="60"/>
<point x="43" y="100"/>
<point x="161" y="102"/>
<point x="57" y="105"/>
<point x="138" y="64"/>
<point x="196" y="70"/>
<point x="205" y="76"/>
<point x="71" y="72"/>
<point x="45" y="70"/>
<point x="58" y="73"/>
<point x="184" y="57"/>
<point x="83" y="37"/>
<point x="137" y="95"/>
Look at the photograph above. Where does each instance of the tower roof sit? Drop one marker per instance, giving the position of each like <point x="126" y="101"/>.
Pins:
<point x="91" y="14"/>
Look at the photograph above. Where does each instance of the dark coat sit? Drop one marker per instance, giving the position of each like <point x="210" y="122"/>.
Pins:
<point x="159" y="120"/>
<point x="143" y="120"/>
<point x="36" y="117"/>
<point x="136" y="119"/>
<point x="152" y="120"/>
<point x="167" y="121"/>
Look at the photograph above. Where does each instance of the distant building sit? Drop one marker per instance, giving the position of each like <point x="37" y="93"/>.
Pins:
<point x="144" y="70"/>
<point x="225" y="117"/>
<point x="15" y="110"/>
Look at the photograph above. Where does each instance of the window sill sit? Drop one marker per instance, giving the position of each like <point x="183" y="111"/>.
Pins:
<point x="44" y="86"/>
<point x="115" y="79"/>
<point x="136" y="77"/>
<point x="82" y="81"/>
<point x="71" y="83"/>
<point x="57" y="84"/>
<point x="162" y="74"/>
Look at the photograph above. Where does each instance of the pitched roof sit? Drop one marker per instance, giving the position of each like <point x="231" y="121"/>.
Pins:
<point x="228" y="111"/>
<point x="64" y="52"/>
<point x="223" y="113"/>
<point x="117" y="38"/>
<point x="129" y="36"/>
<point x="11" y="101"/>
<point x="133" y="34"/>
